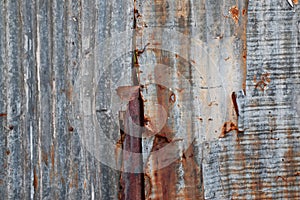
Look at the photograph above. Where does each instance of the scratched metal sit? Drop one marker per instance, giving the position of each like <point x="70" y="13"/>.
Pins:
<point x="219" y="100"/>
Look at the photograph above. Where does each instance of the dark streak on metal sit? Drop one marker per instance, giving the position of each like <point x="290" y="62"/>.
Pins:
<point x="133" y="184"/>
<point x="235" y="105"/>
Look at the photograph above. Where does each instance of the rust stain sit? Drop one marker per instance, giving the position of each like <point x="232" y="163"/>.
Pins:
<point x="226" y="59"/>
<point x="192" y="172"/>
<point x="160" y="142"/>
<point x="45" y="157"/>
<point x="7" y="152"/>
<point x="128" y="93"/>
<point x="235" y="105"/>
<point x="228" y="127"/>
<point x="213" y="103"/>
<point x="35" y="180"/>
<point x="234" y="11"/>
<point x="161" y="11"/>
<point x="62" y="180"/>
<point x="84" y="184"/>
<point x="263" y="82"/>
<point x="148" y="186"/>
<point x="69" y="92"/>
<point x="243" y="36"/>
<point x="282" y="178"/>
<point x="164" y="188"/>
<point x="70" y="129"/>
<point x="172" y="98"/>
<point x="76" y="180"/>
<point x="244" y="12"/>
<point x="296" y="1"/>
<point x="3" y="114"/>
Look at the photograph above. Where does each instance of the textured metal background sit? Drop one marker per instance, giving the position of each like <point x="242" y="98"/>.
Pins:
<point x="225" y="72"/>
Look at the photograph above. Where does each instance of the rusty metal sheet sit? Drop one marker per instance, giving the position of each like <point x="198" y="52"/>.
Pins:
<point x="149" y="99"/>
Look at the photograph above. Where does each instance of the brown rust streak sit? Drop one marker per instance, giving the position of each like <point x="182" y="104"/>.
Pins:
<point x="234" y="11"/>
<point x="290" y="166"/>
<point x="3" y="114"/>
<point x="295" y="2"/>
<point x="242" y="32"/>
<point x="236" y="108"/>
<point x="35" y="180"/>
<point x="192" y="172"/>
<point x="132" y="185"/>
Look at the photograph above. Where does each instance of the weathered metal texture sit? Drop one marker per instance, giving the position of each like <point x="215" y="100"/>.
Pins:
<point x="193" y="60"/>
<point x="41" y="45"/>
<point x="219" y="85"/>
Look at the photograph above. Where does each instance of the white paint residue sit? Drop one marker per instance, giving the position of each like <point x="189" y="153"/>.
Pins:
<point x="38" y="66"/>
<point x="93" y="192"/>
<point x="31" y="161"/>
<point x="26" y="43"/>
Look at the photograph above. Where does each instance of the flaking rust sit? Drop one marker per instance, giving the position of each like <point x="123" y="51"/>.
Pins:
<point x="228" y="127"/>
<point x="234" y="12"/>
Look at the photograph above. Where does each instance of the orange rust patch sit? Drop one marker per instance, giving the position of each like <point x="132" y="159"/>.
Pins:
<point x="295" y="1"/>
<point x="35" y="180"/>
<point x="228" y="127"/>
<point x="234" y="11"/>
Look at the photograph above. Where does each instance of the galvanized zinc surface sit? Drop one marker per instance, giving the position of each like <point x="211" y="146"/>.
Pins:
<point x="150" y="99"/>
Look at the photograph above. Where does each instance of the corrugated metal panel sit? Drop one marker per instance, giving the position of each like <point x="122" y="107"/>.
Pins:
<point x="198" y="98"/>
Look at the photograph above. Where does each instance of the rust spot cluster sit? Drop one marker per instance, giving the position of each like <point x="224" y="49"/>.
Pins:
<point x="263" y="82"/>
<point x="234" y="12"/>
